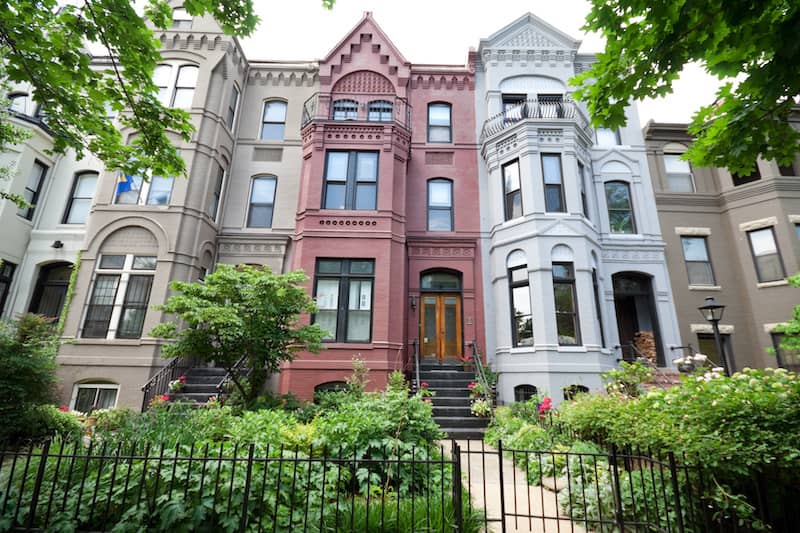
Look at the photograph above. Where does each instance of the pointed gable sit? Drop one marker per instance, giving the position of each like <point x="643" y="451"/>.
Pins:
<point x="529" y="32"/>
<point x="366" y="48"/>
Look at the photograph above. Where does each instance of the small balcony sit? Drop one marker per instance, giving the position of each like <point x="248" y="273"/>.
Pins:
<point x="357" y="107"/>
<point x="537" y="109"/>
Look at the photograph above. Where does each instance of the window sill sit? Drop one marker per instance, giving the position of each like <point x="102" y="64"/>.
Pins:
<point x="572" y="349"/>
<point x="768" y="284"/>
<point x="347" y="345"/>
<point x="705" y="287"/>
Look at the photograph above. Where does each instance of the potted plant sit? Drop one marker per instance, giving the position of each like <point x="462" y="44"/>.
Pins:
<point x="466" y="362"/>
<point x="481" y="408"/>
<point x="177" y="385"/>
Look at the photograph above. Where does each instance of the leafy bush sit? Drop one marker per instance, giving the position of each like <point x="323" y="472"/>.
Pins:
<point x="27" y="376"/>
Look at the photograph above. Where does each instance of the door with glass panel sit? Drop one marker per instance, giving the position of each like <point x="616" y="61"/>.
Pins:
<point x="441" y="326"/>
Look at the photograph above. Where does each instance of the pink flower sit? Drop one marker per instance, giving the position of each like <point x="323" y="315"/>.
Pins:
<point x="472" y="385"/>
<point x="63" y="408"/>
<point x="164" y="397"/>
<point x="182" y="379"/>
<point x="424" y="385"/>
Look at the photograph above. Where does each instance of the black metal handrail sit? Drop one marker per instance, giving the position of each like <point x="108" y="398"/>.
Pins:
<point x="480" y="373"/>
<point x="547" y="109"/>
<point x="240" y="368"/>
<point x="159" y="383"/>
<point x="357" y="107"/>
<point x="415" y="346"/>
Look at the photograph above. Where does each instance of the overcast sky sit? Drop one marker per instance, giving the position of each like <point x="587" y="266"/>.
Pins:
<point x="441" y="31"/>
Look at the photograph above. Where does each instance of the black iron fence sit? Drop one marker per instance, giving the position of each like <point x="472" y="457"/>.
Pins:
<point x="463" y="486"/>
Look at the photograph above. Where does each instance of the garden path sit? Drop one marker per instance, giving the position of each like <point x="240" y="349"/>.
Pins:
<point x="481" y="472"/>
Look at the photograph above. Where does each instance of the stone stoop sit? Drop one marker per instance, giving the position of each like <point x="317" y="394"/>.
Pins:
<point x="201" y="384"/>
<point x="451" y="402"/>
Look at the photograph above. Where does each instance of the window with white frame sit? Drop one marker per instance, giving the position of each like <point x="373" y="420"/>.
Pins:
<point x="620" y="207"/>
<point x="608" y="137"/>
<point x="18" y="103"/>
<point x="233" y="104"/>
<point x="698" y="262"/>
<point x="80" y="200"/>
<point x="176" y="84"/>
<point x="440" y="125"/>
<point x="553" y="183"/>
<point x="345" y="110"/>
<point x="679" y="173"/>
<point x="88" y="397"/>
<point x="119" y="297"/>
<point x="181" y="19"/>
<point x="273" y="120"/>
<point x="766" y="256"/>
<point x="133" y="190"/>
<point x="262" y="202"/>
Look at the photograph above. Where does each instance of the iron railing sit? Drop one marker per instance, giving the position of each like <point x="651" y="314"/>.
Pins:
<point x="544" y="109"/>
<point x="357" y="107"/>
<point x="415" y="347"/>
<point x="240" y="369"/>
<point x="159" y="383"/>
<point x="480" y="374"/>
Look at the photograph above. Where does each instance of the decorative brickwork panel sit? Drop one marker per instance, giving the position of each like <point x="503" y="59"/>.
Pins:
<point x="364" y="81"/>
<point x="439" y="158"/>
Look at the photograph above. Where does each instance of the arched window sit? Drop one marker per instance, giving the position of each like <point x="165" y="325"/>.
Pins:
<point x="620" y="207"/>
<point x="328" y="387"/>
<point x="273" y="120"/>
<point x="571" y="391"/>
<point x="380" y="111"/>
<point x="440" y="205"/>
<point x="566" y="304"/>
<point x="176" y="85"/>
<point x="523" y="393"/>
<point x="262" y="202"/>
<point x="18" y="103"/>
<point x="440" y="123"/>
<point x="80" y="199"/>
<point x="520" y="299"/>
<point x="440" y="281"/>
<point x="345" y="110"/>
<point x="512" y="191"/>
<point x="51" y="290"/>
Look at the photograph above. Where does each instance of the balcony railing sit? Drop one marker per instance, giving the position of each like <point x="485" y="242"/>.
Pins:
<point x="549" y="110"/>
<point x="357" y="107"/>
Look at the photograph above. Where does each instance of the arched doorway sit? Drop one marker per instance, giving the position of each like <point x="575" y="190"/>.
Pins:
<point x="440" y="320"/>
<point x="636" y="316"/>
<point x="51" y="290"/>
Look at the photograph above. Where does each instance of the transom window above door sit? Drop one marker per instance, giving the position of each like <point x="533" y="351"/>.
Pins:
<point x="440" y="281"/>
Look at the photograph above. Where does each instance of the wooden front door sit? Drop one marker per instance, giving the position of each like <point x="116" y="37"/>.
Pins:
<point x="441" y="326"/>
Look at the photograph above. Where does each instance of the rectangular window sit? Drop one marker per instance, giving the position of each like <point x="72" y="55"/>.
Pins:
<point x="80" y="199"/>
<point x="584" y="199"/>
<point x="788" y="359"/>
<point x="741" y="179"/>
<point x="129" y="189"/>
<point x="343" y="289"/>
<point x="707" y="344"/>
<point x="159" y="190"/>
<point x="91" y="396"/>
<point x="521" y="316"/>
<point x="440" y="123"/>
<point x="620" y="208"/>
<point x="513" y="107"/>
<point x="273" y="121"/>
<point x="608" y="137"/>
<point x="351" y="180"/>
<point x="597" y="307"/>
<point x="120" y="296"/>
<point x="232" y="105"/>
<point x="216" y="194"/>
<point x="511" y="190"/>
<point x="567" y="325"/>
<point x="553" y="183"/>
<point x="551" y="105"/>
<point x="767" y="258"/>
<point x="679" y="173"/>
<point x="797" y="230"/>
<point x="698" y="263"/>
<point x="440" y="205"/>
<point x="262" y="202"/>
<point x="32" y="189"/>
<point x="184" y="86"/>
<point x="6" y="277"/>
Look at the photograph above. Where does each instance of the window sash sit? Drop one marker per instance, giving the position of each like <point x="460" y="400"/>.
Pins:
<point x="101" y="306"/>
<point x="160" y="190"/>
<point x="80" y="200"/>
<point x="512" y="190"/>
<point x="6" y="277"/>
<point x="128" y="190"/>
<point x="620" y="207"/>
<point x="262" y="202"/>
<point x="273" y="120"/>
<point x="553" y="183"/>
<point x="134" y="307"/>
<point x="698" y="262"/>
<point x="766" y="256"/>
<point x="33" y="188"/>
<point x="351" y="180"/>
<point x="345" y="299"/>
<point x="520" y="308"/>
<point x="380" y="111"/>
<point x="216" y="195"/>
<point x="608" y="137"/>
<point x="597" y="305"/>
<point x="566" y="305"/>
<point x="232" y="107"/>
<point x="440" y="205"/>
<point x="440" y="122"/>
<point x="92" y="396"/>
<point x="345" y="109"/>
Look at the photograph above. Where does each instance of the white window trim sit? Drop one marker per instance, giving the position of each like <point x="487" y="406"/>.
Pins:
<point x="692" y="232"/>
<point x="122" y="288"/>
<point x="91" y="385"/>
<point x="173" y="79"/>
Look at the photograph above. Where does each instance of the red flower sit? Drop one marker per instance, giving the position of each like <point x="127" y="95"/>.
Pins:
<point x="472" y="385"/>
<point x="182" y="379"/>
<point x="465" y="358"/>
<point x="424" y="385"/>
<point x="164" y="397"/>
<point x="63" y="408"/>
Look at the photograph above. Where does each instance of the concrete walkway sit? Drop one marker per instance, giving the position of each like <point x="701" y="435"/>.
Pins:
<point x="537" y="507"/>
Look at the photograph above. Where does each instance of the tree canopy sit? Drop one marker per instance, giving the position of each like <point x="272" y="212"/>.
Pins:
<point x="44" y="43"/>
<point x="753" y="46"/>
<point x="241" y="312"/>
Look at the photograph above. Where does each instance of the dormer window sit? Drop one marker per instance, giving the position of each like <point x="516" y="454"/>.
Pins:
<point x="181" y="19"/>
<point x="380" y="111"/>
<point x="345" y="110"/>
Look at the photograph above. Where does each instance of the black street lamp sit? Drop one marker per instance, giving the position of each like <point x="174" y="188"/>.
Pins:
<point x="712" y="312"/>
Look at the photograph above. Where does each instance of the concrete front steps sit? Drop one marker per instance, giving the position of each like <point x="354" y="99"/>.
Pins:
<point x="451" y="402"/>
<point x="201" y="384"/>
